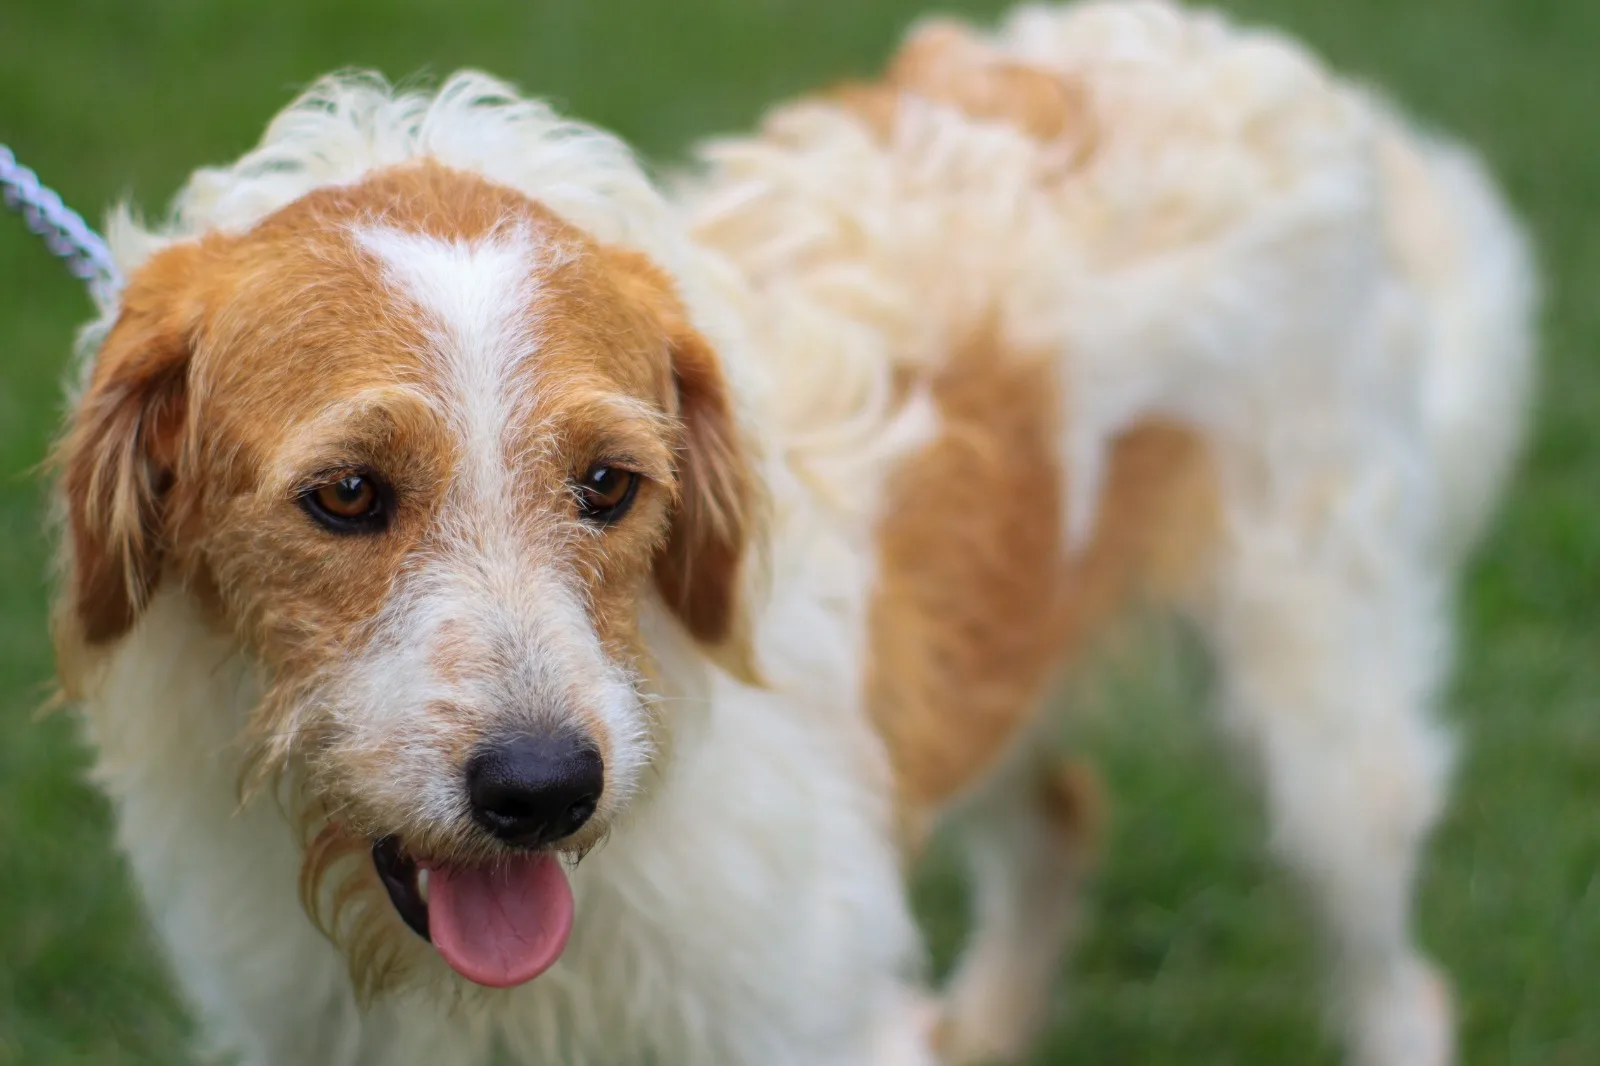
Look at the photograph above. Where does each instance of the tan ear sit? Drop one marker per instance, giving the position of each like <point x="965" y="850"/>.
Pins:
<point x="119" y="456"/>
<point x="702" y="569"/>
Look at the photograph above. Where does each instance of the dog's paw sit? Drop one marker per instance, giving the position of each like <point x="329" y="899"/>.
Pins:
<point x="1407" y="1021"/>
<point x="977" y="1030"/>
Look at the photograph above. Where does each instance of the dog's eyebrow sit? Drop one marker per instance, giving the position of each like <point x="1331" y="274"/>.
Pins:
<point x="351" y="428"/>
<point x="618" y="427"/>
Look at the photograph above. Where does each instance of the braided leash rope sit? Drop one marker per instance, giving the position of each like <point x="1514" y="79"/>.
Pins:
<point x="64" y="231"/>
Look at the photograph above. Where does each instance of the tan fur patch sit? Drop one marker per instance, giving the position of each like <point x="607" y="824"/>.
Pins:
<point x="947" y="64"/>
<point x="977" y="603"/>
<point x="1073" y="799"/>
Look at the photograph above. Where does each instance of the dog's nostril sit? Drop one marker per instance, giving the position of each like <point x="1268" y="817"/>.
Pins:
<point x="532" y="791"/>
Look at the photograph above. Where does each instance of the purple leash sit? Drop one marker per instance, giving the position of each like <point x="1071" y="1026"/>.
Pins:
<point x="63" y="230"/>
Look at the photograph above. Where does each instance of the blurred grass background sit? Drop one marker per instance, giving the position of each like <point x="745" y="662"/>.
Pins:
<point x="1198" y="954"/>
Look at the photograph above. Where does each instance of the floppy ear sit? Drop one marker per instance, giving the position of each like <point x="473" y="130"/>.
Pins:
<point x="119" y="455"/>
<point x="702" y="569"/>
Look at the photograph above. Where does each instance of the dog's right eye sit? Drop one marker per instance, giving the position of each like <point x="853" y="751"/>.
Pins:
<point x="605" y="493"/>
<point x="355" y="503"/>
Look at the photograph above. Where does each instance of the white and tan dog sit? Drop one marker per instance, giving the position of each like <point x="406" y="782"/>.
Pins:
<point x="445" y="504"/>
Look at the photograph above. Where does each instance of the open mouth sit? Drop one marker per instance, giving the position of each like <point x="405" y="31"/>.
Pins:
<point x="498" y="924"/>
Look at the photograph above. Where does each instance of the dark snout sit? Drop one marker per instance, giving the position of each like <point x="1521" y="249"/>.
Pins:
<point x="531" y="791"/>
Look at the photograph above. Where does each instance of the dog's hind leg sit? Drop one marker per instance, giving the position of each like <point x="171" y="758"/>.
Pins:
<point x="1029" y="838"/>
<point x="1331" y="649"/>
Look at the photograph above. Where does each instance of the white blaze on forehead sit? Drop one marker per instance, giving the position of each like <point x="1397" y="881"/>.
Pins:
<point x="476" y="299"/>
<point x="475" y="296"/>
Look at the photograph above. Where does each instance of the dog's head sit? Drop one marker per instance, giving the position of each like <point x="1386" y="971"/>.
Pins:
<point x="424" y="450"/>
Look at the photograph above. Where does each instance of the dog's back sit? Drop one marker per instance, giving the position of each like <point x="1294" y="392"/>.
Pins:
<point x="1137" y="258"/>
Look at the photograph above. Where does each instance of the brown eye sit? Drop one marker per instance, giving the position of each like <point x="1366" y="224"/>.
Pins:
<point x="354" y="503"/>
<point x="605" y="493"/>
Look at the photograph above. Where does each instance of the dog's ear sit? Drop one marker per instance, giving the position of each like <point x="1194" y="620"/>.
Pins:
<point x="702" y="570"/>
<point x="118" y="459"/>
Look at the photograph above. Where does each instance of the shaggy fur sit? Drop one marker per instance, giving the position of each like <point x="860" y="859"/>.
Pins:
<point x="927" y="383"/>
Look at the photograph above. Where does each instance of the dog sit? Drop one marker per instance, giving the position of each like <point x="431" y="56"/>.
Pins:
<point x="525" y="608"/>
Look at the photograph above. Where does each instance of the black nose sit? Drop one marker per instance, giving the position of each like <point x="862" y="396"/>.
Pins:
<point x="532" y="791"/>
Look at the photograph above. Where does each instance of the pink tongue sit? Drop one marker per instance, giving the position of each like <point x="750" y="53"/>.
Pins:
<point x="504" y="924"/>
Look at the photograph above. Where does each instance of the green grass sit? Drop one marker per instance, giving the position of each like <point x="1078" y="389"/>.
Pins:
<point x="1197" y="955"/>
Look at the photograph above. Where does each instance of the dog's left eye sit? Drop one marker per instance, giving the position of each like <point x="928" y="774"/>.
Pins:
<point x="352" y="504"/>
<point x="605" y="493"/>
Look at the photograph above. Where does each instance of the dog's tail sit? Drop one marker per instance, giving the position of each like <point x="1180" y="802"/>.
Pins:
<point x="1466" y="253"/>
